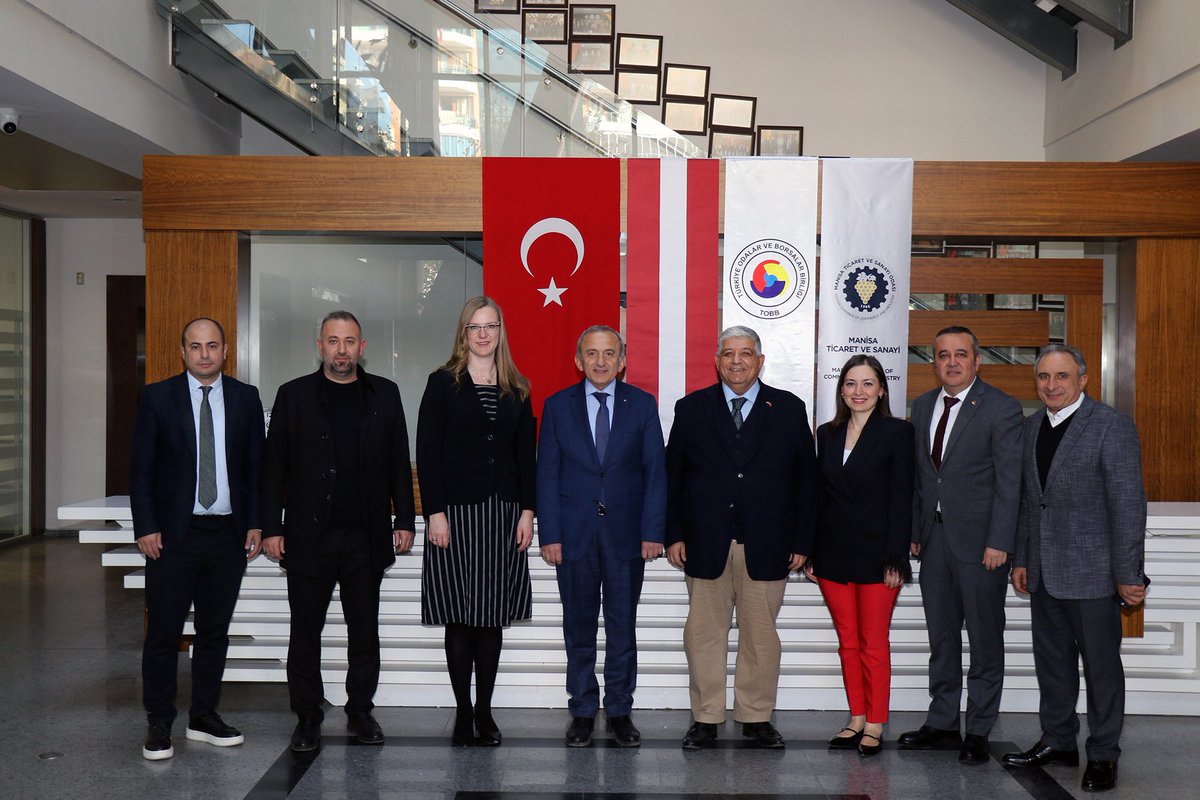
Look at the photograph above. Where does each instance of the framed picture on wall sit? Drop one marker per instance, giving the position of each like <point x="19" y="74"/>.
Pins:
<point x="498" y="6"/>
<point x="544" y="27"/>
<point x="780" y="140"/>
<point x="592" y="58"/>
<point x="726" y="144"/>
<point x="685" y="81"/>
<point x="685" y="116"/>
<point x="638" y="87"/>
<point x="638" y="51"/>
<point x="928" y="246"/>
<point x="545" y="4"/>
<point x="593" y="21"/>
<point x="1006" y="250"/>
<point x="732" y="111"/>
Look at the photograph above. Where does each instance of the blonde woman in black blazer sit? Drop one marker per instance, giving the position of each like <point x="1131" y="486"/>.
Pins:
<point x="865" y="464"/>
<point x="476" y="466"/>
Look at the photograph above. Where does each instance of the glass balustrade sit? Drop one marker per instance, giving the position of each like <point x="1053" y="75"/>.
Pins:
<point x="406" y="77"/>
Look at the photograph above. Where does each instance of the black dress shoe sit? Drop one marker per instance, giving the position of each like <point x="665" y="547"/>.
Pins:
<point x="845" y="742"/>
<point x="1041" y="754"/>
<point x="158" y="742"/>
<point x="974" y="750"/>
<point x="464" y="730"/>
<point x="624" y="731"/>
<point x="579" y="734"/>
<point x="212" y="729"/>
<point x="487" y="731"/>
<point x="364" y="728"/>
<point x="307" y="735"/>
<point x="763" y="734"/>
<point x="866" y="749"/>
<point x="926" y="737"/>
<point x="700" y="736"/>
<point x="1100" y="776"/>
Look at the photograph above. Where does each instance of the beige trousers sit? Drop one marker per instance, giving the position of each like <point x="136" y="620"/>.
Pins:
<point x="706" y="642"/>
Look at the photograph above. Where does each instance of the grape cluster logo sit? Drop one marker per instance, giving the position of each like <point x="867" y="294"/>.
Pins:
<point x="865" y="288"/>
<point x="769" y="279"/>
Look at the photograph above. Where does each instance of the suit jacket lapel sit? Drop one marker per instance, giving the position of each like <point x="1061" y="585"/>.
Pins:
<point x="764" y="408"/>
<point x="582" y="424"/>
<point x="866" y="441"/>
<point x="721" y="418"/>
<point x="183" y="412"/>
<point x="1079" y="423"/>
<point x="970" y="405"/>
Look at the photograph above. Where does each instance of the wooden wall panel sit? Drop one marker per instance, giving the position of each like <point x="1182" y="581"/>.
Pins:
<point x="1085" y="330"/>
<point x="189" y="274"/>
<point x="1015" y="379"/>
<point x="1008" y="275"/>
<point x="1166" y="409"/>
<point x="1009" y="328"/>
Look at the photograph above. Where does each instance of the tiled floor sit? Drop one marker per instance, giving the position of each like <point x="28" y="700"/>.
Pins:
<point x="72" y="727"/>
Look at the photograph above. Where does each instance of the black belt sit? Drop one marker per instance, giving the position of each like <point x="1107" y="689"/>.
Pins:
<point x="211" y="520"/>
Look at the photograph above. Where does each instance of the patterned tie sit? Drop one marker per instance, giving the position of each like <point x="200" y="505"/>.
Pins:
<point x="602" y="425"/>
<point x="207" y="492"/>
<point x="738" y="402"/>
<point x="940" y="433"/>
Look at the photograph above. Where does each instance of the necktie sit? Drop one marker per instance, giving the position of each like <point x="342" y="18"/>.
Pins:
<point x="738" y="402"/>
<point x="207" y="491"/>
<point x="602" y="425"/>
<point x="940" y="434"/>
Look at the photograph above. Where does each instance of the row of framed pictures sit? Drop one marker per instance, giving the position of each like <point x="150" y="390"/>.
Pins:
<point x="768" y="140"/>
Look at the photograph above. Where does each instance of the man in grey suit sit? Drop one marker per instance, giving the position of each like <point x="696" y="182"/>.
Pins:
<point x="1080" y="551"/>
<point x="964" y="526"/>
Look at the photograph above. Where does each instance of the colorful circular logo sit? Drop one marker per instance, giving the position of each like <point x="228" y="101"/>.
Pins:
<point x="865" y="288"/>
<point x="769" y="278"/>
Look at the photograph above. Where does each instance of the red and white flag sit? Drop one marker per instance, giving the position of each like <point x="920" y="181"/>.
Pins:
<point x="552" y="258"/>
<point x="672" y="276"/>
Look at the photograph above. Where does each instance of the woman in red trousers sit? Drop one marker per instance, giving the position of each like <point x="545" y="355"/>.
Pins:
<point x="865" y="460"/>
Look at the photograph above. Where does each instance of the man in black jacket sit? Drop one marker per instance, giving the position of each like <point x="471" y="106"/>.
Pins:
<point x="337" y="462"/>
<point x="197" y="450"/>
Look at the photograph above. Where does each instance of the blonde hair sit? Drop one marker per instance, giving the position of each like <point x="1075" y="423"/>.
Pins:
<point x="509" y="379"/>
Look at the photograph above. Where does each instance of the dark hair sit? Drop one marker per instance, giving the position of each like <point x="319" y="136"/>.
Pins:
<point x="183" y="333"/>
<point x="881" y="408"/>
<point x="1056" y="347"/>
<point x="960" y="330"/>
<point x="343" y="316"/>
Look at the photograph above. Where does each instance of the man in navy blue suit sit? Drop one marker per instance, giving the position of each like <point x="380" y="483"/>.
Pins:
<point x="602" y="494"/>
<point x="197" y="450"/>
<point x="741" y="480"/>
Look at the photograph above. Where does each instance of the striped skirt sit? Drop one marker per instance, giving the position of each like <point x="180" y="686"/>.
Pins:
<point x="480" y="579"/>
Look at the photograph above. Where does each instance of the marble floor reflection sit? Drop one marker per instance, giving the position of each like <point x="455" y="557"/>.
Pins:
<point x="72" y="727"/>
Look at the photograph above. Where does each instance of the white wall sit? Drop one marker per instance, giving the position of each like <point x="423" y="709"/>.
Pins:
<point x="76" y="383"/>
<point x="914" y="78"/>
<point x="1122" y="102"/>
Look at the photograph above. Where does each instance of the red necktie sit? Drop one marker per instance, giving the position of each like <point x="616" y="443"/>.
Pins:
<point x="940" y="434"/>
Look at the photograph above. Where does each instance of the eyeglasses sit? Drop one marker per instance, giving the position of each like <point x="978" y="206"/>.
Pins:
<point x="476" y="330"/>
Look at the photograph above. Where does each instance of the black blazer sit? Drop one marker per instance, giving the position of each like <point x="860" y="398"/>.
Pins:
<point x="464" y="456"/>
<point x="298" y="470"/>
<point x="864" y="507"/>
<point x="162" y="478"/>
<point x="765" y="497"/>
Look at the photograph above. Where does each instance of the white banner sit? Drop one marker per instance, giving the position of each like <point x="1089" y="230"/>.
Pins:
<point x="866" y="242"/>
<point x="770" y="263"/>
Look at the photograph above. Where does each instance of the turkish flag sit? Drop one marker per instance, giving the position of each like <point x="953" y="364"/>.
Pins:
<point x="552" y="258"/>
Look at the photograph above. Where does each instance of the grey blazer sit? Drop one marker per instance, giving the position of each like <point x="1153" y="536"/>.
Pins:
<point x="979" y="483"/>
<point x="1086" y="532"/>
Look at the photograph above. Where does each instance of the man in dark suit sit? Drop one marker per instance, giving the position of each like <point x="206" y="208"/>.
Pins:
<point x="1080" y="553"/>
<point x="197" y="450"/>
<point x="741" y="477"/>
<point x="964" y="524"/>
<point x="602" y="481"/>
<point x="337" y="462"/>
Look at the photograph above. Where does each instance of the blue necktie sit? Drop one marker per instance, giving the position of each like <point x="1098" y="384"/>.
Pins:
<point x="601" y="425"/>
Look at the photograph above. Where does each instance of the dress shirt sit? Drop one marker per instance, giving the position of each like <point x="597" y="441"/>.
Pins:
<point x="593" y="405"/>
<point x="1064" y="414"/>
<point x="939" y="406"/>
<point x="216" y="401"/>
<point x="751" y="395"/>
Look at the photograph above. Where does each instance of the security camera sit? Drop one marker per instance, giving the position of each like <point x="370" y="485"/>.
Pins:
<point x="8" y="121"/>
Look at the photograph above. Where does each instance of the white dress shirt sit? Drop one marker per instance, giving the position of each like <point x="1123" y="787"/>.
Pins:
<point x="1063" y="414"/>
<point x="216" y="400"/>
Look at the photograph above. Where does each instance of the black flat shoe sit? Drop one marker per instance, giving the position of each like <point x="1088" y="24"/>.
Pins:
<point x="974" y="750"/>
<point x="487" y="731"/>
<point x="624" y="732"/>
<point x="1100" y="776"/>
<point x="464" y="730"/>
<point x="845" y="742"/>
<point x="927" y="736"/>
<point x="1040" y="755"/>
<point x="307" y="735"/>
<point x="867" y="750"/>
<point x="700" y="736"/>
<point x="363" y="727"/>
<point x="763" y="734"/>
<point x="579" y="734"/>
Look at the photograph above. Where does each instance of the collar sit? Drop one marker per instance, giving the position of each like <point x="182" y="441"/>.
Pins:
<point x="961" y="395"/>
<point x="589" y="388"/>
<point x="1064" y="414"/>
<point x="194" y="384"/>
<point x="751" y="394"/>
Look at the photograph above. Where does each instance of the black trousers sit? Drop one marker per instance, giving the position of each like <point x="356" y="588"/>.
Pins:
<point x="1064" y="631"/>
<point x="347" y="565"/>
<point x="203" y="569"/>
